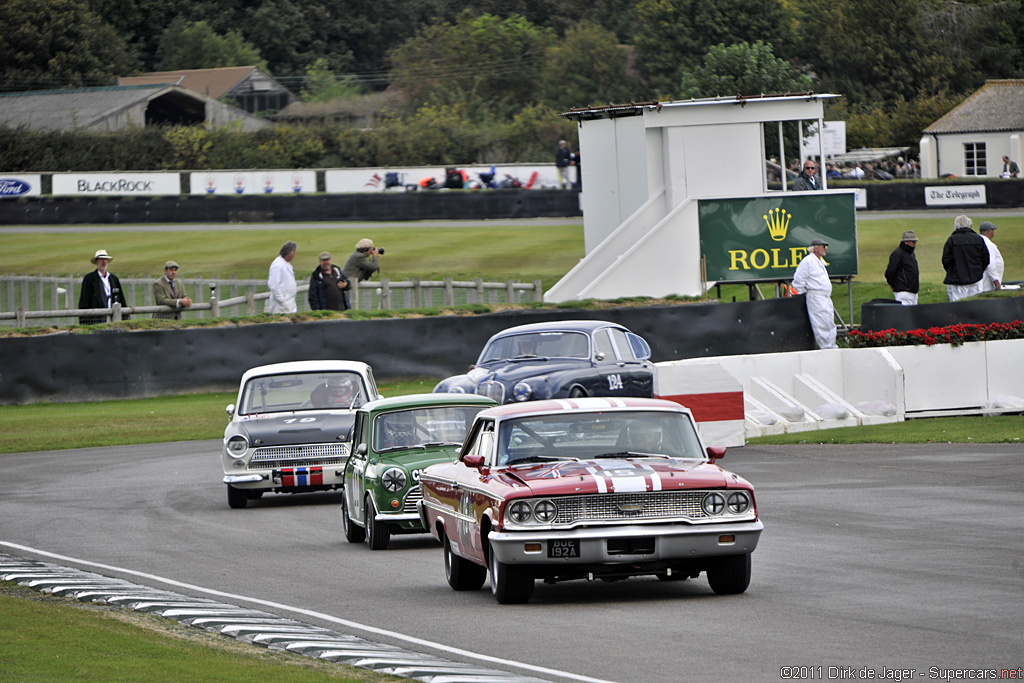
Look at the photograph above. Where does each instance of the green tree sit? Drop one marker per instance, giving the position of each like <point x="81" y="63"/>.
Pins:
<point x="674" y="35"/>
<point x="322" y="85"/>
<point x="499" y="61"/>
<point x="743" y="69"/>
<point x="872" y="51"/>
<point x="587" y="67"/>
<point x="984" y="38"/>
<point x="58" y="44"/>
<point x="194" y="45"/>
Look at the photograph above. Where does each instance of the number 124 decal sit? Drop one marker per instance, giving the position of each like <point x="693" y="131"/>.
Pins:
<point x="614" y="382"/>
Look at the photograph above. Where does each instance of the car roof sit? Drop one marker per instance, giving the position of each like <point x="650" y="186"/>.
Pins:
<point x="423" y="400"/>
<point x="560" y="326"/>
<point x="307" y="366"/>
<point x="581" y="405"/>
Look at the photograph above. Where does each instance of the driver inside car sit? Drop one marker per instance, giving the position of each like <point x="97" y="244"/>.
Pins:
<point x="338" y="392"/>
<point x="399" y="430"/>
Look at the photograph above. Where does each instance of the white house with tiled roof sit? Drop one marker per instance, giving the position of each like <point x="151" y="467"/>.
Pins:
<point x="973" y="137"/>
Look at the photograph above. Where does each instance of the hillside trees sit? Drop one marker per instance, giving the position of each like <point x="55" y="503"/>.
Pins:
<point x="743" y="69"/>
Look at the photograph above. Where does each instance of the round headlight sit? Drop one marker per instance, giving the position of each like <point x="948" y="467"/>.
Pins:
<point x="545" y="511"/>
<point x="738" y="503"/>
<point x="455" y="390"/>
<point x="522" y="391"/>
<point x="237" y="446"/>
<point x="713" y="504"/>
<point x="393" y="480"/>
<point x="519" y="512"/>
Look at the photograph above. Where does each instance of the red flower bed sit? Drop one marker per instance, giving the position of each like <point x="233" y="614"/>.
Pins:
<point x="953" y="334"/>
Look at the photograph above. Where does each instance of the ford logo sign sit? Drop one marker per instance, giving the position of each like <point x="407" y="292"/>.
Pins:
<point x="12" y="187"/>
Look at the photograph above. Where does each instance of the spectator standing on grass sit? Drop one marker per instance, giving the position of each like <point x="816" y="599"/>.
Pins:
<point x="993" y="277"/>
<point x="363" y="262"/>
<point x="965" y="258"/>
<point x="902" y="273"/>
<point x="167" y="291"/>
<point x="100" y="289"/>
<point x="328" y="286"/>
<point x="281" y="281"/>
<point x="811" y="278"/>
<point x="808" y="178"/>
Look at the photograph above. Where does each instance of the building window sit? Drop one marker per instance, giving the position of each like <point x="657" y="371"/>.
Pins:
<point x="974" y="159"/>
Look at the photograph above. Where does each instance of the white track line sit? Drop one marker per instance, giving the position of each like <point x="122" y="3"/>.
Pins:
<point x="317" y="615"/>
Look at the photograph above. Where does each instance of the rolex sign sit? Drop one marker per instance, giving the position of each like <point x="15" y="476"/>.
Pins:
<point x="764" y="238"/>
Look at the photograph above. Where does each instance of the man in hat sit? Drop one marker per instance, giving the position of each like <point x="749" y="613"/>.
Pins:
<point x="965" y="258"/>
<point x="281" y="281"/>
<point x="100" y="289"/>
<point x="363" y="262"/>
<point x="168" y="291"/>
<point x="993" y="277"/>
<point x="902" y="273"/>
<point x="328" y="286"/>
<point x="811" y="278"/>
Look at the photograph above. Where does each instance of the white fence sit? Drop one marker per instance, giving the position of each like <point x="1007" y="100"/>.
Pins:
<point x="54" y="300"/>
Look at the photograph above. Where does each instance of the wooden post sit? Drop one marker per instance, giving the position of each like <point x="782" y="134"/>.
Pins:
<point x="480" y="290"/>
<point x="417" y="293"/>
<point x="538" y="291"/>
<point x="250" y="300"/>
<point x="449" y="292"/>
<point x="214" y="306"/>
<point x="117" y="311"/>
<point x="510" y="292"/>
<point x="20" y="319"/>
<point x="385" y="293"/>
<point x="354" y="294"/>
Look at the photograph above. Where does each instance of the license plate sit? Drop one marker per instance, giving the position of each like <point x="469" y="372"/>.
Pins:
<point x="564" y="547"/>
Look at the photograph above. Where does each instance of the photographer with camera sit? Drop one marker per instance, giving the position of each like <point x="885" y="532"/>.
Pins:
<point x="363" y="262"/>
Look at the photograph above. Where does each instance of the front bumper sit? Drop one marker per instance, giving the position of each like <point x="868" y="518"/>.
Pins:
<point x="671" y="543"/>
<point x="289" y="479"/>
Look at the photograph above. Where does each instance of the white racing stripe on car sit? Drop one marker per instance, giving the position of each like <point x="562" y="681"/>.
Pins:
<point x="602" y="486"/>
<point x="317" y="615"/>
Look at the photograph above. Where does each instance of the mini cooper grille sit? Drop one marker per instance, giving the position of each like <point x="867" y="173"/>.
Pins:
<point x="492" y="390"/>
<point x="414" y="496"/>
<point x="654" y="505"/>
<point x="312" y="455"/>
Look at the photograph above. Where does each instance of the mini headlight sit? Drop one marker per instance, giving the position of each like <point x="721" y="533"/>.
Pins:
<point x="738" y="503"/>
<point x="545" y="511"/>
<point x="713" y="504"/>
<point x="393" y="480"/>
<point x="522" y="391"/>
<point x="519" y="512"/>
<point x="237" y="446"/>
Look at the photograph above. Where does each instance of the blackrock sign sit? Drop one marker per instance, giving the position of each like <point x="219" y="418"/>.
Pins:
<point x="764" y="238"/>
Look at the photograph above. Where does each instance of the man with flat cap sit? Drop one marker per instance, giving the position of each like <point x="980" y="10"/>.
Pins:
<point x="363" y="262"/>
<point x="100" y="289"/>
<point x="993" y="277"/>
<point x="902" y="273"/>
<point x="168" y="291"/>
<point x="811" y="278"/>
<point x="965" y="258"/>
<point x="328" y="286"/>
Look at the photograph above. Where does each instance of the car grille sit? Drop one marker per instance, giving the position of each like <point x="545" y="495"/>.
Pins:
<point x="414" y="496"/>
<point x="492" y="390"/>
<point x="609" y="506"/>
<point x="311" y="455"/>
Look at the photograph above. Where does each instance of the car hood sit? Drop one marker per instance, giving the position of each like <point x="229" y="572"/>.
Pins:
<point x="514" y="371"/>
<point x="616" y="476"/>
<point x="297" y="428"/>
<point x="418" y="458"/>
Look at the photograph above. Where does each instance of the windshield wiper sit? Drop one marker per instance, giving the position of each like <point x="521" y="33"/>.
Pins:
<point x="400" y="448"/>
<point x="435" y="444"/>
<point x="631" y="454"/>
<point x="543" y="458"/>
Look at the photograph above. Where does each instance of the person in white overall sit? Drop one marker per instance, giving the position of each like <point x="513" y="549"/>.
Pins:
<point x="811" y="278"/>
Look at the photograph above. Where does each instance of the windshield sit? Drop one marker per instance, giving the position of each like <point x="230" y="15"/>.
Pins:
<point x="537" y="344"/>
<point x="303" y="391"/>
<point x="597" y="435"/>
<point x="428" y="426"/>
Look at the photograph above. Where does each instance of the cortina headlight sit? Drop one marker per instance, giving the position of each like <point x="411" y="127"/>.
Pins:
<point x="237" y="446"/>
<point x="456" y="390"/>
<point x="713" y="504"/>
<point x="520" y="512"/>
<point x="545" y="511"/>
<point x="522" y="391"/>
<point x="393" y="480"/>
<point x="738" y="503"/>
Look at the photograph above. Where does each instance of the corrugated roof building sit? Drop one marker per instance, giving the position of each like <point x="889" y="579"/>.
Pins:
<point x="249" y="87"/>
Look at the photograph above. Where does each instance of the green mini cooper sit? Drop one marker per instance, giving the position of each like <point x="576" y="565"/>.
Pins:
<point x="393" y="439"/>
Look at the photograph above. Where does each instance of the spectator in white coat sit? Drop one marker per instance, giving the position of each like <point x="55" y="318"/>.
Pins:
<point x="281" y="281"/>
<point x="811" y="278"/>
<point x="993" y="277"/>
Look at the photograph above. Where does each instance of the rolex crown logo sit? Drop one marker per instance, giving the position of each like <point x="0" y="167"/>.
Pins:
<point x="778" y="223"/>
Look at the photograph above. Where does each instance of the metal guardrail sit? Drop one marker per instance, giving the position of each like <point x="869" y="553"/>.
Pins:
<point x="17" y="292"/>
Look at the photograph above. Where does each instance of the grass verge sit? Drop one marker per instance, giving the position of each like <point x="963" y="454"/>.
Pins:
<point x="961" y="429"/>
<point x="48" y="638"/>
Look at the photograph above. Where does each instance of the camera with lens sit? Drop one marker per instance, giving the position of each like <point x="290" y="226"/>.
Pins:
<point x="380" y="250"/>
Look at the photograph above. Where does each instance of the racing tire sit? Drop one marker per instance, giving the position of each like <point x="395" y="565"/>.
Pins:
<point x="577" y="392"/>
<point x="353" y="532"/>
<point x="510" y="584"/>
<point x="729" y="575"/>
<point x="462" y="574"/>
<point x="237" y="498"/>
<point x="377" y="533"/>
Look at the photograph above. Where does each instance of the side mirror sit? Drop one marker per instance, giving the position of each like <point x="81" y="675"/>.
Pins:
<point x="361" y="449"/>
<point x="474" y="461"/>
<point x="599" y="356"/>
<point x="716" y="453"/>
<point x="230" y="410"/>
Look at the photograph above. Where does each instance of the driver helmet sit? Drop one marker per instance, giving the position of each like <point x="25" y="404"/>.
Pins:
<point x="645" y="437"/>
<point x="341" y="390"/>
<point x="400" y="428"/>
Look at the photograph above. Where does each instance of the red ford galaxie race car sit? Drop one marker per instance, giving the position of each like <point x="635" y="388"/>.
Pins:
<point x="588" y="488"/>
